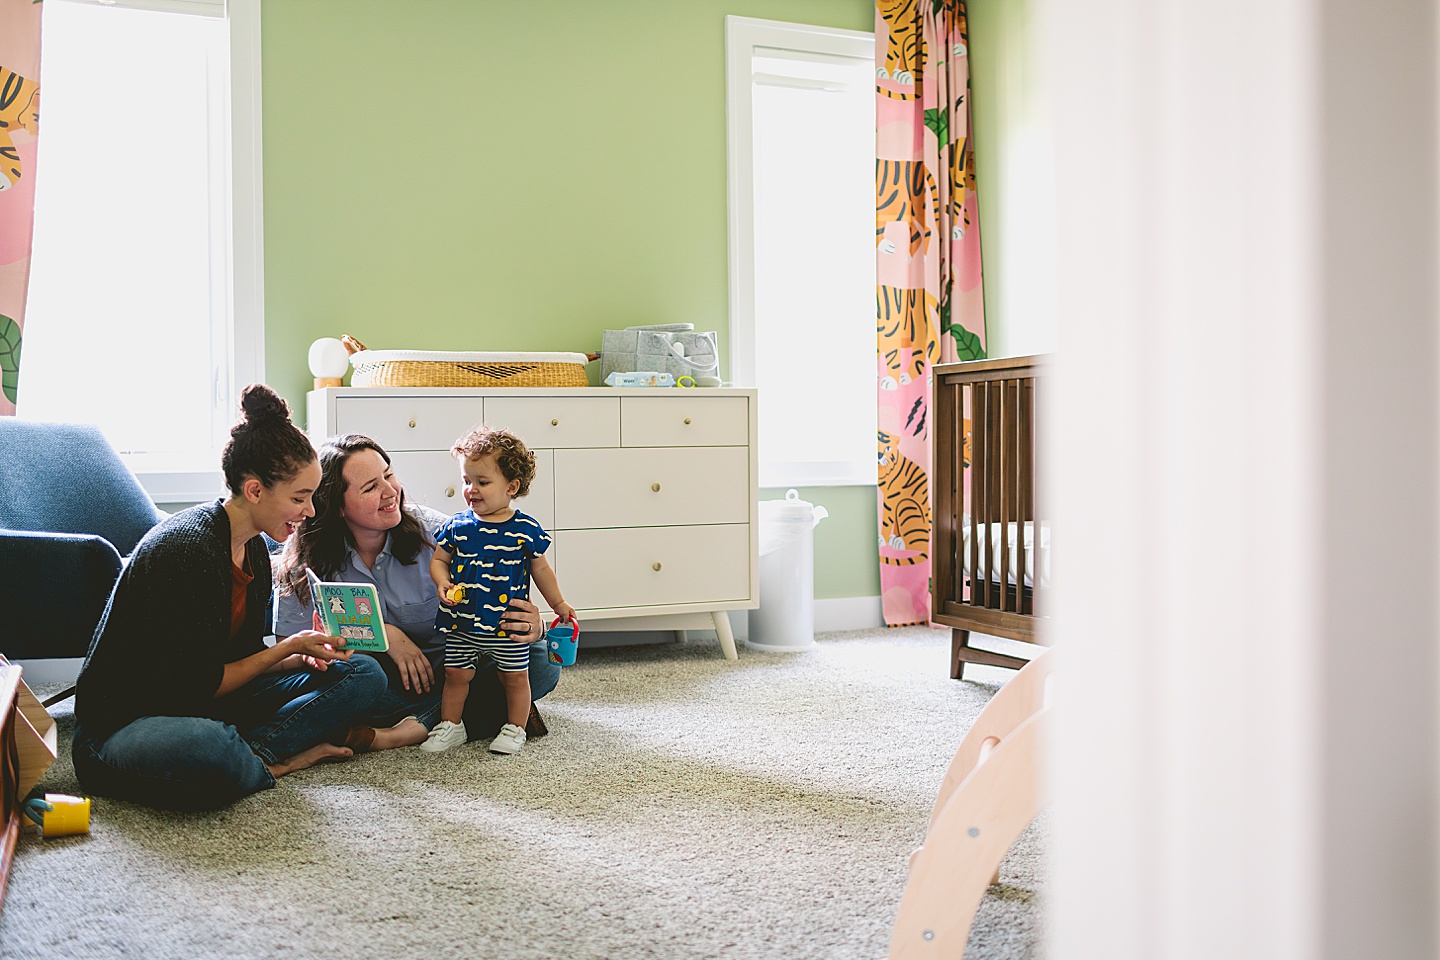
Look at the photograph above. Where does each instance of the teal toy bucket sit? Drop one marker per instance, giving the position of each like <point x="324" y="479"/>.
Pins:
<point x="562" y="641"/>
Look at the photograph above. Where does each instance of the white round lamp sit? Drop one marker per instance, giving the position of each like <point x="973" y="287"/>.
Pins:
<point x="328" y="362"/>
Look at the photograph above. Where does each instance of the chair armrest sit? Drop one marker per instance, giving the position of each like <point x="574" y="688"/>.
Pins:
<point x="53" y="588"/>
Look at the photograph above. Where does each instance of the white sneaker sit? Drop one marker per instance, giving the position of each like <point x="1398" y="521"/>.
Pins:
<point x="444" y="736"/>
<point x="510" y="740"/>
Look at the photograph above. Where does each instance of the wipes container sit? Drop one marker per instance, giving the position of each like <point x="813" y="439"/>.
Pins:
<point x="785" y="620"/>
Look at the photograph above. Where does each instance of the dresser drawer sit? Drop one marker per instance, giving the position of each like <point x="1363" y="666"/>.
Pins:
<point x="679" y="419"/>
<point x="651" y="486"/>
<point x="433" y="478"/>
<point x="409" y="423"/>
<point x="549" y="422"/>
<point x="603" y="569"/>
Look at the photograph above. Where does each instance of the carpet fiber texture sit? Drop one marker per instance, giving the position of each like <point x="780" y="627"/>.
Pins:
<point x="682" y="806"/>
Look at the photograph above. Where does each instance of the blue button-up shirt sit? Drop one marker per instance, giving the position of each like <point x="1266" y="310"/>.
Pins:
<point x="407" y="594"/>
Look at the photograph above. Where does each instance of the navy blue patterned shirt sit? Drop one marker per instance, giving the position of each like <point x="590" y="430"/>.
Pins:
<point x="492" y="560"/>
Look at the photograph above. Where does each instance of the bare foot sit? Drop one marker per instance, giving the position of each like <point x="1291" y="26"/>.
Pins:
<point x="405" y="733"/>
<point x="308" y="758"/>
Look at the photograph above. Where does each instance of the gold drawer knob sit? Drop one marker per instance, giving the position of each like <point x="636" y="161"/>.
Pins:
<point x="655" y="487"/>
<point x="412" y="423"/>
<point x="655" y="566"/>
<point x="449" y="491"/>
<point x="554" y="423"/>
<point x="687" y="421"/>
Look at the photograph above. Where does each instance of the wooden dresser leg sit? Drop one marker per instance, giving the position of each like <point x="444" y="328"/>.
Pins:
<point x="959" y="640"/>
<point x="723" y="631"/>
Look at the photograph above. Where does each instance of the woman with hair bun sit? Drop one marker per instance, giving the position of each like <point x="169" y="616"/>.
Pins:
<point x="180" y="704"/>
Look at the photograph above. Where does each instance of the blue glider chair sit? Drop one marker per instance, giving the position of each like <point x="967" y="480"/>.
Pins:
<point x="69" y="511"/>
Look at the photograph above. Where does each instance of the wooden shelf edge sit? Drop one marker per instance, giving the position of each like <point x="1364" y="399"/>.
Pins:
<point x="7" y="851"/>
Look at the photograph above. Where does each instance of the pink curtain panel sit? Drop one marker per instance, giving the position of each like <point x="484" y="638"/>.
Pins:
<point x="928" y="297"/>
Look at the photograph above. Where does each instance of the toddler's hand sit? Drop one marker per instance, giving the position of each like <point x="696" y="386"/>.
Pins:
<point x="564" y="611"/>
<point x="451" y="593"/>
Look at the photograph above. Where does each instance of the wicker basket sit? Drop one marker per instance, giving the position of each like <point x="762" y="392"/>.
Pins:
<point x="428" y="368"/>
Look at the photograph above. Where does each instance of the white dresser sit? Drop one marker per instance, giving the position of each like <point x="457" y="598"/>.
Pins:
<point x="650" y="494"/>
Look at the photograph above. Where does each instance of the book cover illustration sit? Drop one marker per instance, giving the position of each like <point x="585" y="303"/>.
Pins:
<point x="350" y="611"/>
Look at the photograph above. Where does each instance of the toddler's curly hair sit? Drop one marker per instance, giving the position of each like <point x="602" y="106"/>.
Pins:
<point x="513" y="458"/>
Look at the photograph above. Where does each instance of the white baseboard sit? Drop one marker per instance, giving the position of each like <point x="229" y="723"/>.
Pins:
<point x="848" y="613"/>
<point x="57" y="670"/>
<point x="834" y="613"/>
<point x="831" y="614"/>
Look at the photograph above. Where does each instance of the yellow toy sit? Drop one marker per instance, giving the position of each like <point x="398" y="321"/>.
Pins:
<point x="60" y="815"/>
<point x="456" y="593"/>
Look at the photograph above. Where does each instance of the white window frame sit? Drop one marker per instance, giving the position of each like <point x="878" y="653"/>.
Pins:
<point x="742" y="36"/>
<point x="245" y="294"/>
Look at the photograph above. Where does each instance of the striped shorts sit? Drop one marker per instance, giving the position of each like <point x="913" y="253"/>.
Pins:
<point x="464" y="652"/>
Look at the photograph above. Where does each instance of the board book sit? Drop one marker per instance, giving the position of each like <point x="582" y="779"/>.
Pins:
<point x="350" y="611"/>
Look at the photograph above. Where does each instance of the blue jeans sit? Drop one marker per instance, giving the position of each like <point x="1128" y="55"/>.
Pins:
<point x="200" y="763"/>
<point x="485" y="701"/>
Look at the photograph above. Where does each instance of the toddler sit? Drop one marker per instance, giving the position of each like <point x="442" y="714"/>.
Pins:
<point x="484" y="556"/>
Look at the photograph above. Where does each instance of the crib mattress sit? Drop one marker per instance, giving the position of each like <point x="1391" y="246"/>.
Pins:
<point x="990" y="536"/>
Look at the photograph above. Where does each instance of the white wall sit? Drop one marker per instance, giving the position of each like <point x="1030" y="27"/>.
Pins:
<point x="1245" y="445"/>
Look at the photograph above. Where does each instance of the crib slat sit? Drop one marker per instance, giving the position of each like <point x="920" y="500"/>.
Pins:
<point x="994" y="402"/>
<point x="1007" y="496"/>
<point x="948" y="444"/>
<point x="1036" y="507"/>
<point x="997" y="438"/>
<point x="978" y="473"/>
<point x="1027" y="492"/>
<point x="1017" y="509"/>
<point x="1014" y="517"/>
<point x="962" y="491"/>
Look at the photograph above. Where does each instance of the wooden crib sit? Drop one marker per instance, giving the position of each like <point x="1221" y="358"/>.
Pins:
<point x="991" y="543"/>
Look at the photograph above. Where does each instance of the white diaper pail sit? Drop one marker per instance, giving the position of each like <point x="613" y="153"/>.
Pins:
<point x="786" y="618"/>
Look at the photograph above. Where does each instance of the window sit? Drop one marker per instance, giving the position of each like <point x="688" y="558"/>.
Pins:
<point x="801" y="115"/>
<point x="144" y="313"/>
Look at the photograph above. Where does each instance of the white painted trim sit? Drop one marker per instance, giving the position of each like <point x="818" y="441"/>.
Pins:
<point x="848" y="613"/>
<point x="248" y="200"/>
<point x="831" y="614"/>
<point x="181" y="486"/>
<point x="740" y="193"/>
<point x="215" y="9"/>
<point x="51" y="670"/>
<point x="742" y="36"/>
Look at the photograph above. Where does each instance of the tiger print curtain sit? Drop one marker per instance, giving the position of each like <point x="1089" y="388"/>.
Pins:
<point x="19" y="125"/>
<point x="928" y="296"/>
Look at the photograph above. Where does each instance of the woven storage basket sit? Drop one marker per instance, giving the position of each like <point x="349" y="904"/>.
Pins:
<point x="428" y="368"/>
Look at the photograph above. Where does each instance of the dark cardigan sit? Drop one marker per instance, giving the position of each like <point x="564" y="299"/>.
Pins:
<point x="161" y="646"/>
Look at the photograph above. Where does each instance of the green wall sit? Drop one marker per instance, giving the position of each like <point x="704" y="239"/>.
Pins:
<point x="473" y="175"/>
<point x="1014" y="177"/>
<point x="469" y="174"/>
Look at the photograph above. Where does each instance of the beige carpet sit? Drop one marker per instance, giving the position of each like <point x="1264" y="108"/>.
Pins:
<point x="681" y="807"/>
